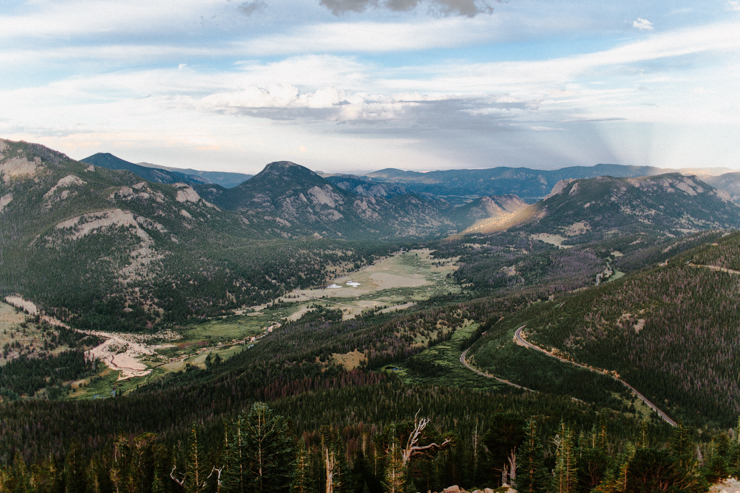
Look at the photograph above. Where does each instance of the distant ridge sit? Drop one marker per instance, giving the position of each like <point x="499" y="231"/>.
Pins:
<point x="154" y="175"/>
<point x="226" y="179"/>
<point x="529" y="184"/>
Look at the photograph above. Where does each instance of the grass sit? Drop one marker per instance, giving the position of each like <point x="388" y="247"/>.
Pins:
<point x="447" y="355"/>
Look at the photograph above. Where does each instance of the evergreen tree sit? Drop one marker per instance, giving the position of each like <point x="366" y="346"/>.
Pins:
<point x="235" y="471"/>
<point x="532" y="476"/>
<point x="395" y="471"/>
<point x="717" y="466"/>
<point x="93" y="478"/>
<point x="733" y="453"/>
<point x="302" y="474"/>
<point x="18" y="480"/>
<point x="74" y="470"/>
<point x="260" y="457"/>
<point x="688" y="471"/>
<point x="566" y="467"/>
<point x="332" y="452"/>
<point x="197" y="470"/>
<point x="45" y="477"/>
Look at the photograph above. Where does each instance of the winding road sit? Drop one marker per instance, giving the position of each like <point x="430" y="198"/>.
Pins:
<point x="520" y="340"/>
<point x="465" y="362"/>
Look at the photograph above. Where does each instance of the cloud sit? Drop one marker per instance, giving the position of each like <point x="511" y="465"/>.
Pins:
<point x="377" y="36"/>
<point x="399" y="114"/>
<point x="733" y="5"/>
<point x="643" y="24"/>
<point x="442" y="8"/>
<point x="249" y="8"/>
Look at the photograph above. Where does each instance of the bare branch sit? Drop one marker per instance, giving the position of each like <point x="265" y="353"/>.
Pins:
<point x="178" y="481"/>
<point x="412" y="448"/>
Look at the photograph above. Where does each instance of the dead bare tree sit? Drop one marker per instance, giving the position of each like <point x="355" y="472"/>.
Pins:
<point x="330" y="462"/>
<point x="178" y="481"/>
<point x="218" y="477"/>
<point x="512" y="468"/>
<point x="412" y="447"/>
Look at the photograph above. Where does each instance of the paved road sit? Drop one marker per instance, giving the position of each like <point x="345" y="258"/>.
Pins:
<point x="717" y="269"/>
<point x="522" y="341"/>
<point x="465" y="362"/>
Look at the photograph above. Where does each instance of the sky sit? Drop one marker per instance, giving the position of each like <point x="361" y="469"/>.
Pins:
<point x="352" y="86"/>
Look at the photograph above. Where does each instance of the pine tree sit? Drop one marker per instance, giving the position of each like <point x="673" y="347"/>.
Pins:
<point x="532" y="476"/>
<point x="235" y="473"/>
<point x="689" y="476"/>
<point x="74" y="470"/>
<point x="332" y="452"/>
<point x="92" y="478"/>
<point x="733" y="454"/>
<point x="302" y="474"/>
<point x="197" y="470"/>
<point x="395" y="471"/>
<point x="717" y="466"/>
<point x="45" y="477"/>
<point x="260" y="456"/>
<point x="18" y="479"/>
<point x="566" y="467"/>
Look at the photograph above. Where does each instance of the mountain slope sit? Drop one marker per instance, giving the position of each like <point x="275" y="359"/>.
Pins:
<point x="306" y="203"/>
<point x="529" y="184"/>
<point x="154" y="175"/>
<point x="670" y="331"/>
<point x="103" y="248"/>
<point x="485" y="212"/>
<point x="729" y="182"/>
<point x="586" y="210"/>
<point x="224" y="178"/>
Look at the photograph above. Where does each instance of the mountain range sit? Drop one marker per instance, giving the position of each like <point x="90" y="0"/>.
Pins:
<point x="71" y="229"/>
<point x="221" y="297"/>
<point x="162" y="174"/>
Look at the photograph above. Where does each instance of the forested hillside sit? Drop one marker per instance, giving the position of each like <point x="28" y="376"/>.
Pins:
<point x="336" y="330"/>
<point x="671" y="331"/>
<point x="103" y="249"/>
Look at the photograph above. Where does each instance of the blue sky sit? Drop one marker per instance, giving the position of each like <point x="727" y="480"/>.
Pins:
<point x="360" y="85"/>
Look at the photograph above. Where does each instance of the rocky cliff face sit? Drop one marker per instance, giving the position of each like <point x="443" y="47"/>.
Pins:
<point x="673" y="204"/>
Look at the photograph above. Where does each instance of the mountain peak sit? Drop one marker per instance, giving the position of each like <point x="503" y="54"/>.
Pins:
<point x="286" y="167"/>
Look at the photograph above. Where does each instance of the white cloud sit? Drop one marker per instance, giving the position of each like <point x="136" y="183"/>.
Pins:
<point x="375" y="36"/>
<point x="733" y="5"/>
<point x="643" y="24"/>
<point x="89" y="18"/>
